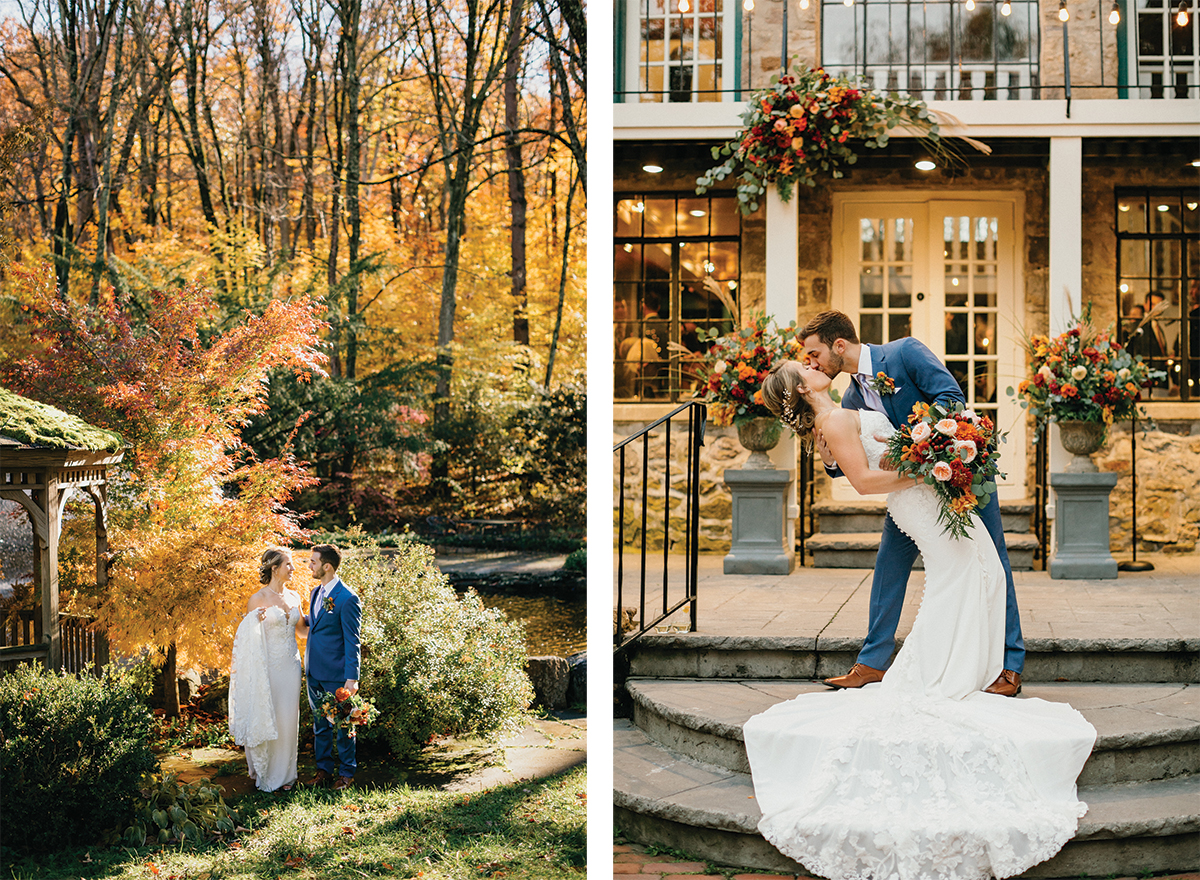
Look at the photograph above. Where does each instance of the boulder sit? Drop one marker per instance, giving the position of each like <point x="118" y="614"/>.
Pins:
<point x="577" y="685"/>
<point x="550" y="677"/>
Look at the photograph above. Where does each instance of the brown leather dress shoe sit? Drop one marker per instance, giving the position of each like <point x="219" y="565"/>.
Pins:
<point x="343" y="782"/>
<point x="321" y="778"/>
<point x="856" y="677"/>
<point x="1007" y="685"/>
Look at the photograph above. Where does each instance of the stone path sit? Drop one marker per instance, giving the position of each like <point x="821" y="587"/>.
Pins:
<point x="645" y="862"/>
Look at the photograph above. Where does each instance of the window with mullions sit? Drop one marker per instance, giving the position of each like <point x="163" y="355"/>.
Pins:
<point x="670" y="252"/>
<point x="1168" y="62"/>
<point x="682" y="55"/>
<point x="1158" y="285"/>
<point x="954" y="51"/>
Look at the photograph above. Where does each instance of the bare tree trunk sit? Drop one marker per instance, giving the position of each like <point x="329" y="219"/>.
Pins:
<point x="562" y="283"/>
<point x="516" y="175"/>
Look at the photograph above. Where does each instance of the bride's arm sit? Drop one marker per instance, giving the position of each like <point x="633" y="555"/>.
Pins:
<point x="842" y="436"/>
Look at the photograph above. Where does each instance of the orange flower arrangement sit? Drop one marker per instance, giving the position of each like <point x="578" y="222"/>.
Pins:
<point x="954" y="451"/>
<point x="738" y="364"/>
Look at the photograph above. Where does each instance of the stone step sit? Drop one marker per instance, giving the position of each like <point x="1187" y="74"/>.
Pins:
<point x="867" y="516"/>
<point x="1113" y="660"/>
<point x="664" y="799"/>
<point x="1144" y="731"/>
<point x="858" y="549"/>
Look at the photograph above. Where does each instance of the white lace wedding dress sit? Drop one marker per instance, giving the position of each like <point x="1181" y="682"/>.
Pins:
<point x="264" y="693"/>
<point x="923" y="775"/>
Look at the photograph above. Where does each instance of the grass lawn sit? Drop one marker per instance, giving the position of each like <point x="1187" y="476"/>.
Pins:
<point x="533" y="829"/>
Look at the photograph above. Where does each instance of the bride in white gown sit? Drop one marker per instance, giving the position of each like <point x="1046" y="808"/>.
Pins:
<point x="264" y="679"/>
<point x="922" y="775"/>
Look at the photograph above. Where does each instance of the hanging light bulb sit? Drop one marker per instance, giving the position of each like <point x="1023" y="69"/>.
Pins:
<point x="970" y="5"/>
<point x="1006" y="9"/>
<point x="804" y="4"/>
<point x="1063" y="15"/>
<point x="684" y="6"/>
<point x="1114" y="14"/>
<point x="1181" y="18"/>
<point x="748" y="5"/>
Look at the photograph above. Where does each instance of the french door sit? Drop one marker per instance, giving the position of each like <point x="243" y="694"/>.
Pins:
<point x="946" y="272"/>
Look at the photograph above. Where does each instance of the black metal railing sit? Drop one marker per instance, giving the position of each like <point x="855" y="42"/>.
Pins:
<point x="627" y="628"/>
<point x="806" y="500"/>
<point x="1041" y="493"/>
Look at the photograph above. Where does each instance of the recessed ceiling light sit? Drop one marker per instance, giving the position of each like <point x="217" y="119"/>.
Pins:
<point x="1124" y="209"/>
<point x="652" y="168"/>
<point x="1191" y="206"/>
<point x="697" y="212"/>
<point x="926" y="165"/>
<point x="1195" y="163"/>
<point x="1164" y="207"/>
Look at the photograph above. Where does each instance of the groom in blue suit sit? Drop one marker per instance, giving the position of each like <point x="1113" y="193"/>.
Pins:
<point x="331" y="661"/>
<point x="916" y="375"/>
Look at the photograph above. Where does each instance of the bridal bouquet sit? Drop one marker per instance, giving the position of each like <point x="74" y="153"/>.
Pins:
<point x="955" y="451"/>
<point x="347" y="711"/>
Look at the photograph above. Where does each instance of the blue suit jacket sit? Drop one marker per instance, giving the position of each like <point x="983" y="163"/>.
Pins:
<point x="919" y="377"/>
<point x="332" y="653"/>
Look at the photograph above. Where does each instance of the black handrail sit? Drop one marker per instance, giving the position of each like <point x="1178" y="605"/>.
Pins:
<point x="1041" y="491"/>
<point x="697" y="416"/>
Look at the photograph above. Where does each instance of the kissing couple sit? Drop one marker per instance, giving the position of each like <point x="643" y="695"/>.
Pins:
<point x="924" y="767"/>
<point x="264" y="679"/>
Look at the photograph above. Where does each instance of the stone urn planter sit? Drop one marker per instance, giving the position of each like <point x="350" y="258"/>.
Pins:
<point x="759" y="435"/>
<point x="1081" y="439"/>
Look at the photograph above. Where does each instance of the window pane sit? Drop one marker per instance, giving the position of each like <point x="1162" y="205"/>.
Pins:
<point x="1150" y="34"/>
<point x="1131" y="214"/>
<point x="1135" y="257"/>
<point x="1191" y="214"/>
<point x="1164" y="259"/>
<point x="871" y="234"/>
<point x="870" y="329"/>
<point x="899" y="326"/>
<point x="838" y="34"/>
<point x="692" y="217"/>
<point x="870" y="288"/>
<point x="956" y="333"/>
<point x="960" y="370"/>
<point x="725" y="217"/>
<point x="1164" y="214"/>
<point x="660" y="218"/>
<point x="899" y="287"/>
<point x="985" y="334"/>
<point x="629" y="218"/>
<point x="627" y="264"/>
<point x="724" y="257"/>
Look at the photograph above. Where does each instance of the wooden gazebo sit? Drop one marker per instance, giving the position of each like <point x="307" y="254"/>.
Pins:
<point x="46" y="455"/>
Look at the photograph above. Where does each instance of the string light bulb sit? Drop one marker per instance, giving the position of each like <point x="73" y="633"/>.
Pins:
<point x="684" y="6"/>
<point x="1181" y="18"/>
<point x="970" y="5"/>
<point x="1006" y="9"/>
<point x="1063" y="14"/>
<point x="748" y="5"/>
<point x="804" y="4"/>
<point x="1114" y="14"/>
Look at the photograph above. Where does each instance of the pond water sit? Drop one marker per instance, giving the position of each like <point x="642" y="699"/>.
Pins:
<point x="554" y="625"/>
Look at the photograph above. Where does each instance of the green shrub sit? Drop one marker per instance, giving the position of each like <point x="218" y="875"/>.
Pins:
<point x="576" y="560"/>
<point x="73" y="752"/>
<point x="435" y="664"/>
<point x="171" y="812"/>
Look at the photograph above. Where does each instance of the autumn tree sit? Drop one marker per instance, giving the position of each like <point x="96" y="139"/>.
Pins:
<point x="195" y="508"/>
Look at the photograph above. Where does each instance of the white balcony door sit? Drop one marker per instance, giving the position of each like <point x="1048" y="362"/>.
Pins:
<point x="946" y="272"/>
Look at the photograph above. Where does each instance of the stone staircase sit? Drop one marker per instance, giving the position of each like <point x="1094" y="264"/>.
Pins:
<point x="681" y="777"/>
<point x="849" y="534"/>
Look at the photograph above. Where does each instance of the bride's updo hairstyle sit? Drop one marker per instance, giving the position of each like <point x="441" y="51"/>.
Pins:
<point x="782" y="395"/>
<point x="273" y="558"/>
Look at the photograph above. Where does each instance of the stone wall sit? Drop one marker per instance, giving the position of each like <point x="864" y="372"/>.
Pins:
<point x="721" y="451"/>
<point x="1168" y="489"/>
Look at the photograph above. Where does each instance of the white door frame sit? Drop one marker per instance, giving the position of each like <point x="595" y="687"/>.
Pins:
<point x="922" y="205"/>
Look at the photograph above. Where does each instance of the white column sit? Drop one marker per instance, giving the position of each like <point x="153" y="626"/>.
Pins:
<point x="783" y="260"/>
<point x="1066" y="253"/>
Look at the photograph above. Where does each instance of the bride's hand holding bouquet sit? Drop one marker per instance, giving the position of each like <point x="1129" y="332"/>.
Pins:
<point x="955" y="451"/>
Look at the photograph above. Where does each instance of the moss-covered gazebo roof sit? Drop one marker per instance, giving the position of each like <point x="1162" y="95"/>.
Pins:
<point x="25" y="422"/>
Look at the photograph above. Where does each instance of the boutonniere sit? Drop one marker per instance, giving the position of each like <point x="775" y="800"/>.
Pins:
<point x="883" y="384"/>
<point x="328" y="603"/>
